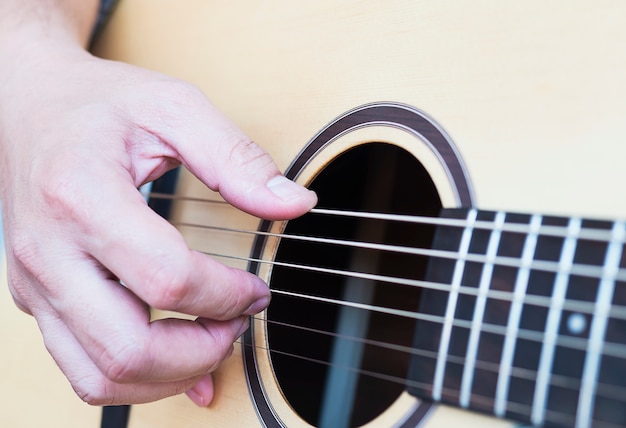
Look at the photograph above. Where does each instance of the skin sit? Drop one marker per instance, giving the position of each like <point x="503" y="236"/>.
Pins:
<point x="78" y="135"/>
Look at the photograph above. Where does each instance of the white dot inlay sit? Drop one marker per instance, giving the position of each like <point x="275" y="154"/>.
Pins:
<point x="576" y="323"/>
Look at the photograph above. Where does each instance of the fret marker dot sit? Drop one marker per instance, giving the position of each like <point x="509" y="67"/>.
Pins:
<point x="576" y="323"/>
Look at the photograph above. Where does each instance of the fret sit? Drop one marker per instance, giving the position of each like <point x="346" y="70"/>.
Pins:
<point x="521" y="283"/>
<point x="451" y="305"/>
<point x="610" y="408"/>
<point x="540" y="398"/>
<point x="597" y="333"/>
<point x="519" y="340"/>
<point x="479" y="310"/>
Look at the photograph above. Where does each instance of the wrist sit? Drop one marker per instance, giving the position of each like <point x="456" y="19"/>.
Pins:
<point x="29" y="24"/>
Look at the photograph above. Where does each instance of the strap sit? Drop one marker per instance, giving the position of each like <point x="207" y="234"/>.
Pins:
<point x="115" y="417"/>
<point x="106" y="8"/>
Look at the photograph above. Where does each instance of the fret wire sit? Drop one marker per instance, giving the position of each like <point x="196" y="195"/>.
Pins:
<point x="479" y="312"/>
<point x="542" y="265"/>
<point x="586" y="308"/>
<point x="557" y="231"/>
<point x="597" y="331"/>
<point x="515" y="315"/>
<point x="546" y="359"/>
<point x="453" y="296"/>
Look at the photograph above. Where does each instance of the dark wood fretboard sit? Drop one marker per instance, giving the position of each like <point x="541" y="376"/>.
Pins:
<point x="533" y="325"/>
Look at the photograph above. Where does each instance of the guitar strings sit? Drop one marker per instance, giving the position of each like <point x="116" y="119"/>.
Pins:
<point x="450" y="394"/>
<point x="563" y="381"/>
<point x="587" y="308"/>
<point x="523" y="373"/>
<point x="545" y="230"/>
<point x="578" y="269"/>
<point x="577" y="306"/>
<point x="581" y="307"/>
<point x="569" y="342"/>
<point x="610" y="348"/>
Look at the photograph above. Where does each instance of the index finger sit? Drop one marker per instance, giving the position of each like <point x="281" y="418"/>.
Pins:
<point x="152" y="259"/>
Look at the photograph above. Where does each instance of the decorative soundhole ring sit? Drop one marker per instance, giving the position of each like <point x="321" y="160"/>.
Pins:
<point x="393" y="115"/>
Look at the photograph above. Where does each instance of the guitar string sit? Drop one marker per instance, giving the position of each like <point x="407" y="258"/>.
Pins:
<point x="557" y="380"/>
<point x="563" y="381"/>
<point x="578" y="269"/>
<point x="478" y="401"/>
<point x="550" y="266"/>
<point x="586" y="270"/>
<point x="448" y="392"/>
<point x="577" y="306"/>
<point x="545" y="230"/>
<point x="613" y="349"/>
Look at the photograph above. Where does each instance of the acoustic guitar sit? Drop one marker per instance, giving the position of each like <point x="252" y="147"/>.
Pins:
<point x="465" y="265"/>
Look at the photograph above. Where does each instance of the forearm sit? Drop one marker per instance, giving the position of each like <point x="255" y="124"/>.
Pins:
<point x="30" y="22"/>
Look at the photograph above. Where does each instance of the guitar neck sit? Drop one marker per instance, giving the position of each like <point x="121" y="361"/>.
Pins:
<point x="532" y="324"/>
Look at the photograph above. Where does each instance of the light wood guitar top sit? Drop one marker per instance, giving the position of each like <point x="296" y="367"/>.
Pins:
<point x="532" y="93"/>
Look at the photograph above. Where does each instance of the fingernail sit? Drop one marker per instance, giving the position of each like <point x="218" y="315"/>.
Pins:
<point x="284" y="188"/>
<point x="257" y="306"/>
<point x="202" y="392"/>
<point x="196" y="398"/>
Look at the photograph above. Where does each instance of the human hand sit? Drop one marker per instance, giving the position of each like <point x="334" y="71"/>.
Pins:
<point x="78" y="136"/>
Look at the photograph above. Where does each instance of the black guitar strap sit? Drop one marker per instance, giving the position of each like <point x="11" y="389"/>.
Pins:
<point x="115" y="417"/>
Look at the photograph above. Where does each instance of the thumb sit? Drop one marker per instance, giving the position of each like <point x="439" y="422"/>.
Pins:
<point x="228" y="161"/>
<point x="247" y="177"/>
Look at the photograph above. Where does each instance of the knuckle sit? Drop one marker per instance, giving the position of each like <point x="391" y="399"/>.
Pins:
<point x="125" y="362"/>
<point x="25" y="269"/>
<point x="18" y="298"/>
<point x="230" y="303"/>
<point x="177" y="95"/>
<point x="224" y="347"/>
<point x="61" y="193"/>
<point x="94" y="390"/>
<point x="25" y="252"/>
<point x="29" y="271"/>
<point x="183" y="91"/>
<point x="245" y="153"/>
<point x="168" y="284"/>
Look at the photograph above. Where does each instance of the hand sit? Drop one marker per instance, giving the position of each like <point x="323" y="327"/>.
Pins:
<point x="78" y="136"/>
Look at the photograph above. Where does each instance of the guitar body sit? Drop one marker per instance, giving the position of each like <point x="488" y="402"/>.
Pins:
<point x="529" y="96"/>
<point x="532" y="95"/>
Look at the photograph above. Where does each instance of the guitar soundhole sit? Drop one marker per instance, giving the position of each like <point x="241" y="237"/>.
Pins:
<point x="338" y="365"/>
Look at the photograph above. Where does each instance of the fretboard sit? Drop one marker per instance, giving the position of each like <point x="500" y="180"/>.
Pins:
<point x="533" y="324"/>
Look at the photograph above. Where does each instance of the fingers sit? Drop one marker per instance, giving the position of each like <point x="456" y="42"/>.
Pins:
<point x="226" y="160"/>
<point x="93" y="387"/>
<point x="88" y="226"/>
<point x="102" y="337"/>
<point x="112" y="353"/>
<point x="152" y="259"/>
